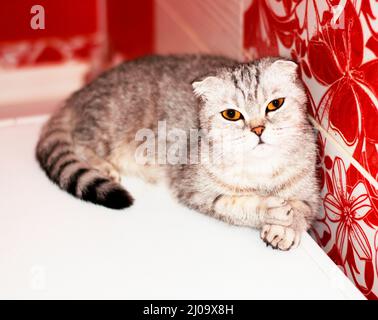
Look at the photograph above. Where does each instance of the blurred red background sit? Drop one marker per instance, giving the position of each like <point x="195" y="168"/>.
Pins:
<point x="74" y="29"/>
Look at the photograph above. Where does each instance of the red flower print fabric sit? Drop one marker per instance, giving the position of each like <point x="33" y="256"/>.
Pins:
<point x="335" y="44"/>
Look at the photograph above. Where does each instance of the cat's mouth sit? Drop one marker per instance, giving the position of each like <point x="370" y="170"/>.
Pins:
<point x="261" y="145"/>
<point x="261" y="142"/>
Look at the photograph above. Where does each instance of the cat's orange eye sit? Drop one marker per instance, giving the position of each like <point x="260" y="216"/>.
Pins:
<point x="275" y="104"/>
<point x="232" y="115"/>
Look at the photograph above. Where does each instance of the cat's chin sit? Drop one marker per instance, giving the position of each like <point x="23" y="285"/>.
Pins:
<point x="262" y="150"/>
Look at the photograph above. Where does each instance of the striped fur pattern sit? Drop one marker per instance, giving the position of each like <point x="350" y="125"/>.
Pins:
<point x="56" y="155"/>
<point x="90" y="141"/>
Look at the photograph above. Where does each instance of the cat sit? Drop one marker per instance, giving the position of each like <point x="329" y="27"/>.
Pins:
<point x="266" y="176"/>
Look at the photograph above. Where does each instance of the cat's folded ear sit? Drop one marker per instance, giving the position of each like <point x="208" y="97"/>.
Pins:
<point x="206" y="87"/>
<point x="288" y="66"/>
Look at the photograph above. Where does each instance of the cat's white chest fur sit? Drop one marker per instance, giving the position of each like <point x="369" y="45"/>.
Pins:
<point x="256" y="177"/>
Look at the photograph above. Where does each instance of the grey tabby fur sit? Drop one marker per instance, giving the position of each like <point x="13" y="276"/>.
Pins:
<point x="266" y="182"/>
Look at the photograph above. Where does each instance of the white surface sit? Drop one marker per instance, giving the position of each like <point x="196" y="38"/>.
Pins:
<point x="49" y="82"/>
<point x="55" y="246"/>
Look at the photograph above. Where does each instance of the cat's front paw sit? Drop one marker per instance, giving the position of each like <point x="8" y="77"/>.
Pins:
<point x="278" y="212"/>
<point x="280" y="237"/>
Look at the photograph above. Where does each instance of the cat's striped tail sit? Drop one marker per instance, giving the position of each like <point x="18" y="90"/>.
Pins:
<point x="56" y="154"/>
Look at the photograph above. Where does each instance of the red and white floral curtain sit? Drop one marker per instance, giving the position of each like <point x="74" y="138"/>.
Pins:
<point x="336" y="46"/>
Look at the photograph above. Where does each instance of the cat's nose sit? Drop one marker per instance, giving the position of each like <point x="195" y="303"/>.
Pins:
<point x="258" y="130"/>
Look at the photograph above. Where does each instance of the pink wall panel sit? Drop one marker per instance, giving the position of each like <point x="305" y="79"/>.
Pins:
<point x="335" y="44"/>
<point x="199" y="26"/>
